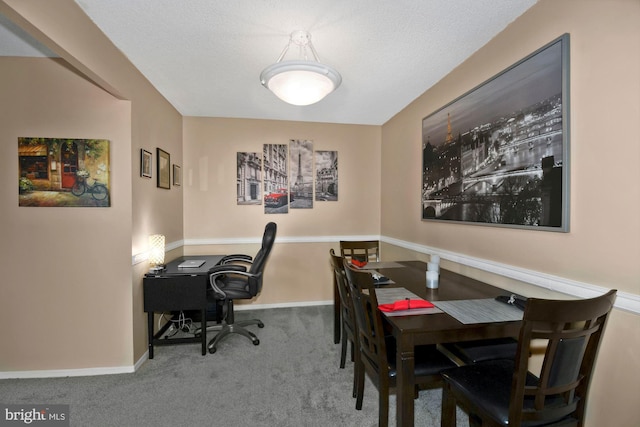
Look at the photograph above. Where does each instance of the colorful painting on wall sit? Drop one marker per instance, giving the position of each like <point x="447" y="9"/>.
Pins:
<point x="276" y="182"/>
<point x="326" y="176"/>
<point x="301" y="166"/>
<point x="56" y="172"/>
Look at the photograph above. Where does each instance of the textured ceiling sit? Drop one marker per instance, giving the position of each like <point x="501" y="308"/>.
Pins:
<point x="205" y="56"/>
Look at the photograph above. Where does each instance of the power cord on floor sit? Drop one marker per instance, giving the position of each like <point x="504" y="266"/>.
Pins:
<point x="182" y="323"/>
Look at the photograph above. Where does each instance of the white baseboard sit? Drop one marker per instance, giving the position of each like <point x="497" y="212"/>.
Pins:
<point x="58" y="373"/>
<point x="624" y="301"/>
<point x="241" y="307"/>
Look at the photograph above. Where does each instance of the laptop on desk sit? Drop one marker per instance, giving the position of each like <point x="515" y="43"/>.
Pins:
<point x="192" y="263"/>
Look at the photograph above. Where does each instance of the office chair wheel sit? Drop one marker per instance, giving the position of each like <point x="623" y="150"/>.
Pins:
<point x="260" y="325"/>
<point x="212" y="350"/>
<point x="256" y="342"/>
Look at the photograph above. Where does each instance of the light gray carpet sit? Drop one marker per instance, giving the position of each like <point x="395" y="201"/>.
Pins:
<point x="291" y="379"/>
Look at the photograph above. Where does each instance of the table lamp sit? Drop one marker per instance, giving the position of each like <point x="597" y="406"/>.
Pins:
<point x="156" y="252"/>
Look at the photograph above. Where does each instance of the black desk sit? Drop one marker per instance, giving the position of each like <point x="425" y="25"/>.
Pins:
<point x="177" y="289"/>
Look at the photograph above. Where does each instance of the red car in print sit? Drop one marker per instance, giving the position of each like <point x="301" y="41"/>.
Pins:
<point x="280" y="197"/>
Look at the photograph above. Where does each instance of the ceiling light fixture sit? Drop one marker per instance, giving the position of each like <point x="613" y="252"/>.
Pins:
<point x="304" y="81"/>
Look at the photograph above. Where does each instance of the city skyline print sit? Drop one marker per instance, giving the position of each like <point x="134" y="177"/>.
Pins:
<point x="275" y="178"/>
<point x="498" y="155"/>
<point x="326" y="176"/>
<point x="249" y="178"/>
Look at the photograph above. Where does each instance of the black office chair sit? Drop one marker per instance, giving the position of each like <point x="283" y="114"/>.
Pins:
<point x="378" y="352"/>
<point x="505" y="393"/>
<point x="231" y="280"/>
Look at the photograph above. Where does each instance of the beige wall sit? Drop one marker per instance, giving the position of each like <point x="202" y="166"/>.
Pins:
<point x="150" y="122"/>
<point x="210" y="147"/>
<point x="604" y="240"/>
<point x="211" y="212"/>
<point x="379" y="191"/>
<point x="66" y="283"/>
<point x="603" y="245"/>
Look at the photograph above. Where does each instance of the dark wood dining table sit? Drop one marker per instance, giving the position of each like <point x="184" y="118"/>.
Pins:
<point x="413" y="330"/>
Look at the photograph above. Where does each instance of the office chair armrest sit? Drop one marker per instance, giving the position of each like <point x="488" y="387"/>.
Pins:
<point x="236" y="258"/>
<point x="232" y="269"/>
<point x="226" y="269"/>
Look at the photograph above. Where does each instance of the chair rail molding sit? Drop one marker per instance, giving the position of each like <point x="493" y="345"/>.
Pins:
<point x="624" y="301"/>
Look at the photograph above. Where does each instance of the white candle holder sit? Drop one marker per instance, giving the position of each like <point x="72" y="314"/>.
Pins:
<point x="432" y="279"/>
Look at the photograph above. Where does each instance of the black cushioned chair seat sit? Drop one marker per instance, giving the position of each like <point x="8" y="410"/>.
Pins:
<point x="235" y="289"/>
<point x="428" y="360"/>
<point x="469" y="352"/>
<point x="489" y="385"/>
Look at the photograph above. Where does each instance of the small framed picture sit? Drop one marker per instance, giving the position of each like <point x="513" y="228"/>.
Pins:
<point x="177" y="175"/>
<point x="164" y="169"/>
<point x="145" y="163"/>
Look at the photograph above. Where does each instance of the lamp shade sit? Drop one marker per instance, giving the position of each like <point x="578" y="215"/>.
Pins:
<point x="156" y="249"/>
<point x="304" y="81"/>
<point x="300" y="82"/>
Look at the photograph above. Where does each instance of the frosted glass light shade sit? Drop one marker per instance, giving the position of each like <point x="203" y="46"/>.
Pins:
<point x="300" y="82"/>
<point x="156" y="249"/>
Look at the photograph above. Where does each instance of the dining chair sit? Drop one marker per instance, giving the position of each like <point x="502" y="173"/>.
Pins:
<point x="365" y="250"/>
<point x="506" y="393"/>
<point x="369" y="250"/>
<point x="348" y="322"/>
<point x="378" y="351"/>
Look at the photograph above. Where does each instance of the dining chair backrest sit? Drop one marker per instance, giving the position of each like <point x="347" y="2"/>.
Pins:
<point x="573" y="330"/>
<point x="347" y="318"/>
<point x="369" y="249"/>
<point x="507" y="393"/>
<point x="343" y="287"/>
<point x="369" y="327"/>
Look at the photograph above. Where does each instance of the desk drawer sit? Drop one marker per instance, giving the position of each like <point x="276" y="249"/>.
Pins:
<point x="175" y="293"/>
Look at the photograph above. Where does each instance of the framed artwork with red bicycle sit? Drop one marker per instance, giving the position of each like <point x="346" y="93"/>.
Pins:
<point x="63" y="172"/>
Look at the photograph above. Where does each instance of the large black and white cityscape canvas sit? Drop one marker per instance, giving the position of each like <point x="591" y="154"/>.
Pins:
<point x="498" y="155"/>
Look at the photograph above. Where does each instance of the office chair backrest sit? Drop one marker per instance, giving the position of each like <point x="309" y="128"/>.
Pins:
<point x="573" y="330"/>
<point x="369" y="323"/>
<point x="260" y="259"/>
